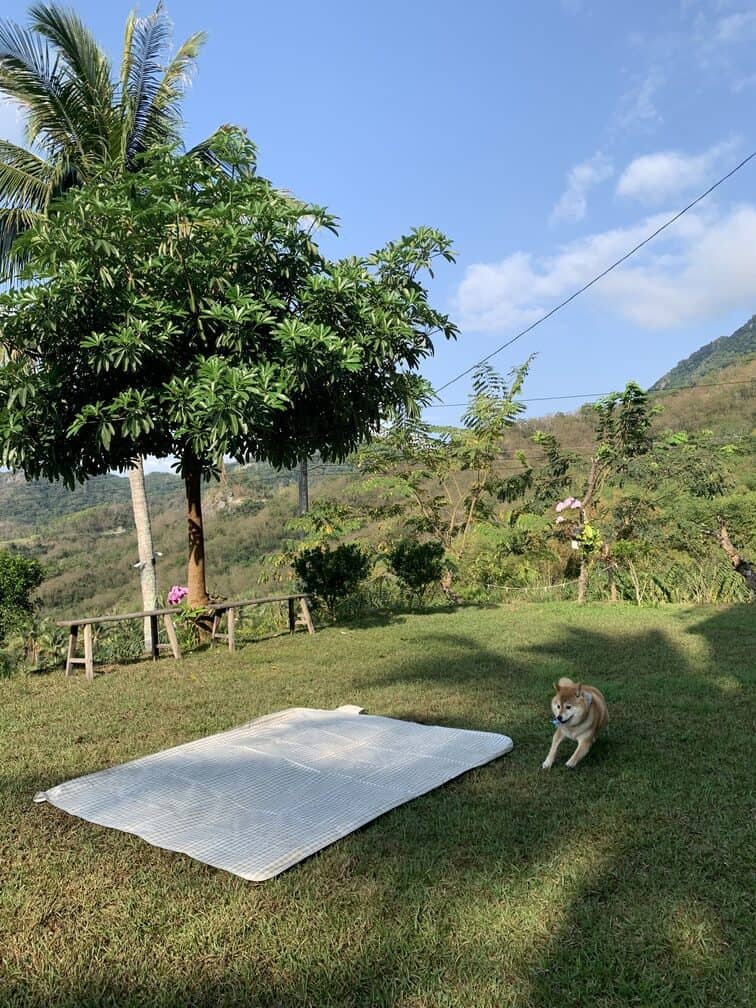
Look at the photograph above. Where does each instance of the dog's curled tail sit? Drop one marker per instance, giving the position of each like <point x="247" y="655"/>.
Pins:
<point x="565" y="683"/>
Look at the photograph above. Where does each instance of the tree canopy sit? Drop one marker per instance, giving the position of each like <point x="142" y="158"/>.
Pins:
<point x="186" y="310"/>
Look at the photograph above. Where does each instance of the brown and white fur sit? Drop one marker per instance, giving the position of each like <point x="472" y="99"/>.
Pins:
<point x="581" y="712"/>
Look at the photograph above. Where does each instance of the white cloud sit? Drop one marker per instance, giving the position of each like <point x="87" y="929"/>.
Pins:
<point x="572" y="203"/>
<point x="162" y="465"/>
<point x="713" y="274"/>
<point x="744" y="82"/>
<point x="740" y="27"/>
<point x="11" y="123"/>
<point x="721" y="42"/>
<point x="703" y="265"/>
<point x="638" y="105"/>
<point x="654" y="178"/>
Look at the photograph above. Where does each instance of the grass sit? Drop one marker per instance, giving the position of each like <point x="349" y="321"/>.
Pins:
<point x="625" y="882"/>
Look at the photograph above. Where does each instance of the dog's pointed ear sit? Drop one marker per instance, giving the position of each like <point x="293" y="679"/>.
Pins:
<point x="555" y="687"/>
<point x="579" y="689"/>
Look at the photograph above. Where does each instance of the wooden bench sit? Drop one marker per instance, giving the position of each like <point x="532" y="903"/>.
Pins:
<point x="217" y="609"/>
<point x="228" y="609"/>
<point x="88" y="622"/>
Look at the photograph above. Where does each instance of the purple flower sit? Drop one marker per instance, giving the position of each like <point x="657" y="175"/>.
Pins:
<point x="569" y="502"/>
<point x="176" y="594"/>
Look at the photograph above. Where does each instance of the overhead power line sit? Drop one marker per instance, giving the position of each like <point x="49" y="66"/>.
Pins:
<point x="600" y="276"/>
<point x="599" y="395"/>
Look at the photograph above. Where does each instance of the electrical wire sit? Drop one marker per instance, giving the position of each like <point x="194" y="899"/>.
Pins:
<point x="598" y="395"/>
<point x="600" y="276"/>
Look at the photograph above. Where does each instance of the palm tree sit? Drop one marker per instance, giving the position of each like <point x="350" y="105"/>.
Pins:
<point x="79" y="117"/>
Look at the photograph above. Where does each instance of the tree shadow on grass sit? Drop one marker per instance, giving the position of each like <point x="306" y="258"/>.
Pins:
<point x="618" y="884"/>
<point x="391" y="616"/>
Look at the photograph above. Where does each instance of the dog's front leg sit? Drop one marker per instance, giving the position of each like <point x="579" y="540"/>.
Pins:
<point x="582" y="750"/>
<point x="555" y="743"/>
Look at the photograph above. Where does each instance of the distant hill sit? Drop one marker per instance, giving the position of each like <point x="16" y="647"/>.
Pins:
<point x="86" y="540"/>
<point x="718" y="354"/>
<point x="28" y="504"/>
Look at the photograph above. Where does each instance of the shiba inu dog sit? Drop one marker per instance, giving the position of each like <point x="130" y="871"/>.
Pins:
<point x="579" y="714"/>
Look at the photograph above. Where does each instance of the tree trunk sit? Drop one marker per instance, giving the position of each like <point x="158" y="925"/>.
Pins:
<point x="196" y="585"/>
<point x="582" y="580"/>
<point x="635" y="580"/>
<point x="145" y="548"/>
<point x="743" y="567"/>
<point x="304" y="490"/>
<point x="446" y="588"/>
<point x="590" y="490"/>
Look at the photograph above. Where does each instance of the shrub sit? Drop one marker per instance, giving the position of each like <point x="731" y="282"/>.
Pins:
<point x="35" y="644"/>
<point x="19" y="576"/>
<point x="7" y="665"/>
<point x="332" y="574"/>
<point x="418" y="565"/>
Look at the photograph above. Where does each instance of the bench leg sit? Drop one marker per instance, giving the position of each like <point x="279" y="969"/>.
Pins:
<point x="304" y="611"/>
<point x="154" y="637"/>
<point x="292" y="616"/>
<point x="170" y="631"/>
<point x="217" y="617"/>
<point x="231" y="625"/>
<point x="88" y="652"/>
<point x="73" y="638"/>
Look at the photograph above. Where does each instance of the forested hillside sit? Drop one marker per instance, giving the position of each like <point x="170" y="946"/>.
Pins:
<point x="86" y="542"/>
<point x="720" y="353"/>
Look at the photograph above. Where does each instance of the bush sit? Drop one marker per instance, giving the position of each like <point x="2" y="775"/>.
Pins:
<point x="32" y="645"/>
<point x="7" y="665"/>
<point x="331" y="575"/>
<point x="19" y="577"/>
<point x="418" y="565"/>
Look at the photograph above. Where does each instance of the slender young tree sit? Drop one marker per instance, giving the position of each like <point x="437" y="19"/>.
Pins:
<point x="185" y="310"/>
<point x="623" y="432"/>
<point x="445" y="479"/>
<point x="80" y="114"/>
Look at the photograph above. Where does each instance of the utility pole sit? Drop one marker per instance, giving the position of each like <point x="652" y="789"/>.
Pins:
<point x="304" y="493"/>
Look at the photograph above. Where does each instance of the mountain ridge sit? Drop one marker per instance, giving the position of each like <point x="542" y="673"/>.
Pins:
<point x="712" y="357"/>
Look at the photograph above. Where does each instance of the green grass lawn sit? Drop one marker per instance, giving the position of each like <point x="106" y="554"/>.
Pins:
<point x="626" y="882"/>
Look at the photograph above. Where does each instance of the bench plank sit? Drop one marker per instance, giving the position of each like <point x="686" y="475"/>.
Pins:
<point x="82" y="621"/>
<point x="231" y="604"/>
<point x="228" y="609"/>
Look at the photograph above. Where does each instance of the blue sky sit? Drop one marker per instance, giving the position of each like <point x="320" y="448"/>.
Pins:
<point x="545" y="138"/>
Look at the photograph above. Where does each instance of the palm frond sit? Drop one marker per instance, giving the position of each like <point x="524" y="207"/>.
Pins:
<point x="205" y="152"/>
<point x="13" y="222"/>
<point x="126" y="61"/>
<point x="85" y="74"/>
<point x="165" y="111"/>
<point x="150" y="38"/>
<point x="27" y="74"/>
<point x="25" y="178"/>
<point x="30" y="75"/>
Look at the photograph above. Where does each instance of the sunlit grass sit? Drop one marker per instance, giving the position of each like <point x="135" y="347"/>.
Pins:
<point x="625" y="882"/>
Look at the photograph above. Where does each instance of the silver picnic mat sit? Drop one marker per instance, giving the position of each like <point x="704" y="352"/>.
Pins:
<point x="257" y="799"/>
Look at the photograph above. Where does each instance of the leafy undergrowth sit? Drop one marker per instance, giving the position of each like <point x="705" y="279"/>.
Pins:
<point x="625" y="882"/>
